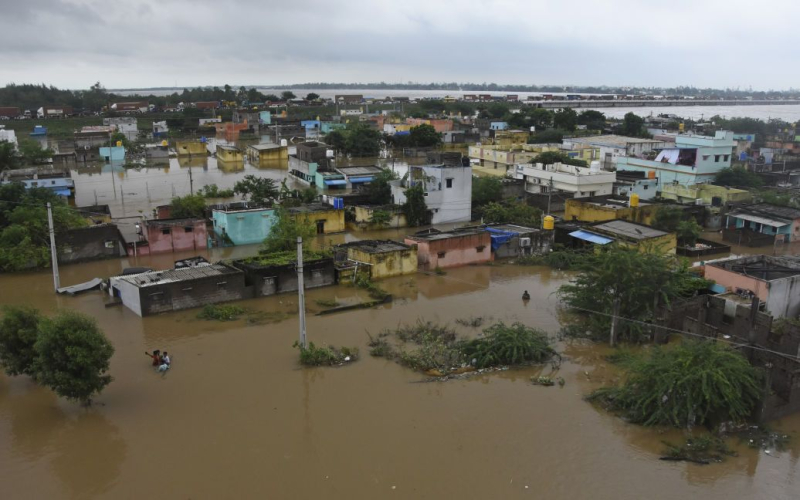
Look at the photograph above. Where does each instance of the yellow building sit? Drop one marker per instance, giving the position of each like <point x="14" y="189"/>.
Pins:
<point x="586" y="210"/>
<point x="510" y="137"/>
<point x="364" y="215"/>
<point x="190" y="148"/>
<point x="628" y="234"/>
<point x="229" y="154"/>
<point x="268" y="156"/>
<point x="326" y="218"/>
<point x="707" y="192"/>
<point x="385" y="258"/>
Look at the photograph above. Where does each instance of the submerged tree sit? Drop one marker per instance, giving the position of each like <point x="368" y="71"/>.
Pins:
<point x="379" y="191"/>
<point x="285" y="230"/>
<point x="415" y="208"/>
<point x="259" y="190"/>
<point x="191" y="206"/>
<point x="73" y="356"/>
<point x="19" y="329"/>
<point x="693" y="383"/>
<point x="639" y="279"/>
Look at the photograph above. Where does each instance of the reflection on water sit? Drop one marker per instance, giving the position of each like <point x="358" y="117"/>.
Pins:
<point x="237" y="416"/>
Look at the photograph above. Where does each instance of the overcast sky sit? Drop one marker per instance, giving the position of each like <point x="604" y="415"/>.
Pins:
<point x="185" y="43"/>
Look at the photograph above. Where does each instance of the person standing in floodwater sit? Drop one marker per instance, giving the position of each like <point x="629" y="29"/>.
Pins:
<point x="165" y="362"/>
<point x="156" y="357"/>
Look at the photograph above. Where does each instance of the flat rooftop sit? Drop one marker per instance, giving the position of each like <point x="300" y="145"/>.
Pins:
<point x="612" y="140"/>
<point x="153" y="278"/>
<point x="787" y="214"/>
<point x="378" y="246"/>
<point x="265" y="147"/>
<point x="356" y="170"/>
<point x="446" y="235"/>
<point x="611" y="202"/>
<point x="310" y="208"/>
<point x="627" y="229"/>
<point x="513" y="228"/>
<point x="762" y="267"/>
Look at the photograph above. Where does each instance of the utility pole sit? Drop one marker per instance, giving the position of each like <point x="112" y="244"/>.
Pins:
<point x="191" y="181"/>
<point x="95" y="197"/>
<point x="301" y="293"/>
<point x="147" y="187"/>
<point x="53" y="253"/>
<point x="614" y="323"/>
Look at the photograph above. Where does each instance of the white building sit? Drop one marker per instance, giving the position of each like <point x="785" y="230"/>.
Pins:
<point x="581" y="182"/>
<point x="612" y="146"/>
<point x="448" y="191"/>
<point x="126" y="125"/>
<point x="8" y="136"/>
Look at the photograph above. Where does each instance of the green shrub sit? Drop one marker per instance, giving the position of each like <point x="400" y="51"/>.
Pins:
<point x="514" y="344"/>
<point x="221" y="312"/>
<point x="19" y="329"/>
<point x="325" y="356"/>
<point x="694" y="383"/>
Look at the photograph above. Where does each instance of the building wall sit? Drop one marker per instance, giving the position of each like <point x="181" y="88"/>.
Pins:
<point x="333" y="218"/>
<point x="689" y="194"/>
<point x="102" y="241"/>
<point x="363" y="215"/>
<point x="195" y="293"/>
<point x="245" y="227"/>
<point x="269" y="158"/>
<point x="190" y="148"/>
<point x="453" y="252"/>
<point x="578" y="210"/>
<point x="271" y="280"/>
<point x="388" y="264"/>
<point x="179" y="236"/>
<point x="576" y="180"/>
<point x="231" y="155"/>
<point x="127" y="292"/>
<point x="446" y="204"/>
<point x="782" y="296"/>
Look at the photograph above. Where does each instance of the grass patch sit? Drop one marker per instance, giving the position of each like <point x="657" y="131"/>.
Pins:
<point x="268" y="259"/>
<point x="700" y="450"/>
<point x="557" y="259"/>
<point x="327" y="303"/>
<point x="472" y="321"/>
<point x="514" y="344"/>
<point x="439" y="271"/>
<point x="375" y="292"/>
<point x="221" y="312"/>
<point x="325" y="355"/>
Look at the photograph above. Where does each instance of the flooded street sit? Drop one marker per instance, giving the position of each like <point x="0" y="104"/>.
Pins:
<point x="237" y="417"/>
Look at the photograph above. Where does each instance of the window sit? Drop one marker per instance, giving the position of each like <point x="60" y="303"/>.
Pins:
<point x="716" y="158"/>
<point x="188" y="229"/>
<point x="706" y="157"/>
<point x="449" y="182"/>
<point x="726" y="157"/>
<point x="109" y="244"/>
<point x="222" y="284"/>
<point x="441" y="255"/>
<point x="165" y="231"/>
<point x="480" y="248"/>
<point x="645" y="187"/>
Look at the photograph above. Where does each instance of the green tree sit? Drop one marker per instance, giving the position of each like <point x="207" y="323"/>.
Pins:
<point x="380" y="218"/>
<point x="287" y="95"/>
<point x="551" y="136"/>
<point x="551" y="157"/>
<point x="8" y="156"/>
<point x="362" y="140"/>
<point x="73" y="356"/>
<point x="511" y="212"/>
<point x="486" y="190"/>
<point x="379" y="191"/>
<point x="738" y="177"/>
<point x="191" y="206"/>
<point x="309" y="194"/>
<point x="259" y="190"/>
<point x="565" y="119"/>
<point x="633" y="126"/>
<point x="19" y="329"/>
<point x="337" y="140"/>
<point x="415" y="208"/>
<point x="424" y="136"/>
<point x="688" y="231"/>
<point x="667" y="218"/>
<point x="639" y="278"/>
<point x="33" y="153"/>
<point x="594" y="120"/>
<point x="312" y="96"/>
<point x="692" y="383"/>
<point x="284" y="232"/>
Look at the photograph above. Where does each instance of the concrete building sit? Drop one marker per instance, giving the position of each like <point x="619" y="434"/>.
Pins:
<point x="126" y="125"/>
<point x="190" y="148"/>
<point x="175" y="289"/>
<point x="356" y="176"/>
<point x="572" y="181"/>
<point x="447" y="187"/>
<point x="774" y="280"/>
<point x="268" y="155"/>
<point x="243" y="226"/>
<point x="95" y="242"/>
<point x="265" y="280"/>
<point x="174" y="235"/>
<point x="628" y="234"/>
<point x="459" y="247"/>
<point x="8" y="136"/>
<point x="246" y="116"/>
<point x="705" y="194"/>
<point x="160" y="129"/>
<point x="131" y="107"/>
<point x="692" y="160"/>
<point x="325" y="218"/>
<point x="772" y="223"/>
<point x="511" y="241"/>
<point x="92" y="137"/>
<point x="157" y="153"/>
<point x="440" y="125"/>
<point x="111" y="153"/>
<point x="385" y="258"/>
<point x="613" y="146"/>
<point x="601" y="209"/>
<point x="230" y="154"/>
<point x="364" y="216"/>
<point x="58" y="181"/>
<point x="638" y="183"/>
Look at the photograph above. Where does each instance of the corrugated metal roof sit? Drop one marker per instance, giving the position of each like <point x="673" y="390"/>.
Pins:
<point x="629" y="229"/>
<point x="591" y="237"/>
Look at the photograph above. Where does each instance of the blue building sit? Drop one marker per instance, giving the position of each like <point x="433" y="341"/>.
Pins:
<point x="243" y="226"/>
<point x="59" y="182"/>
<point x="498" y="126"/>
<point x="694" y="159"/>
<point x="112" y="153"/>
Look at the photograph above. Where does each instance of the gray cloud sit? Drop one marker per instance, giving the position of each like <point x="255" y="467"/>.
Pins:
<point x="148" y="43"/>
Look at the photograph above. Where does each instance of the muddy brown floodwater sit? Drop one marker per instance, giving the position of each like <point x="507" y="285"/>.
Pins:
<point x="236" y="417"/>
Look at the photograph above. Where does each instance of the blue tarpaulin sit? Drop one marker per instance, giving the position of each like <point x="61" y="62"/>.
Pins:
<point x="499" y="237"/>
<point x="336" y="182"/>
<point x="356" y="180"/>
<point x="590" y="237"/>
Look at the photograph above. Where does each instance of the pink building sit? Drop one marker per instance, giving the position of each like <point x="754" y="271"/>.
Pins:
<point x="175" y="235"/>
<point x="440" y="125"/>
<point x="451" y="248"/>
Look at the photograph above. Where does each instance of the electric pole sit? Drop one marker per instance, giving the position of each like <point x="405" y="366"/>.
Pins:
<point x="53" y="253"/>
<point x="614" y="323"/>
<point x="301" y="294"/>
<point x="191" y="181"/>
